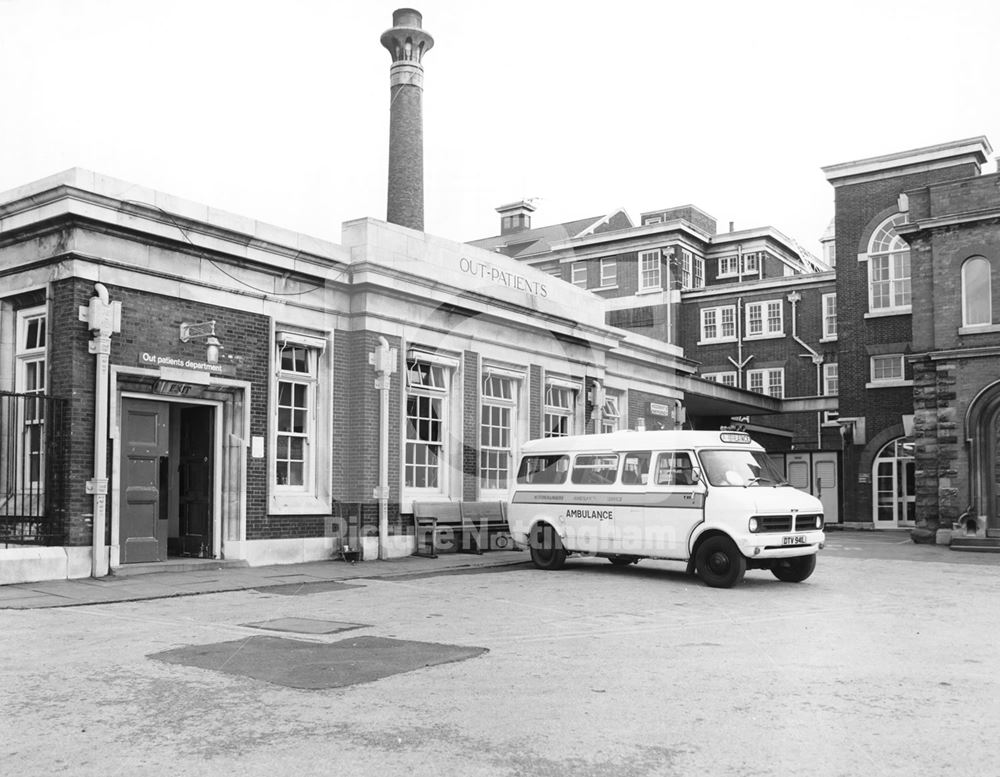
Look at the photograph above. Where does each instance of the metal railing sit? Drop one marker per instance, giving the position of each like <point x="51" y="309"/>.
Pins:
<point x="33" y="459"/>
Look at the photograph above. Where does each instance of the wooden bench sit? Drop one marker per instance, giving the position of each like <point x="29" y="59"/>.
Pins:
<point x="470" y="524"/>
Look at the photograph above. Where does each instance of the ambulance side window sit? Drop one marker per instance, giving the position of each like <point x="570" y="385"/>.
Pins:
<point x="543" y="470"/>
<point x="635" y="470"/>
<point x="675" y="468"/>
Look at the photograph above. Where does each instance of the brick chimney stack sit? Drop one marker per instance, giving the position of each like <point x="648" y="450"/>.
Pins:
<point x="407" y="43"/>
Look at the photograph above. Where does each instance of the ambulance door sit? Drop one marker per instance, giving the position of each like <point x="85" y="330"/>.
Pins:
<point x="630" y="515"/>
<point x="675" y="503"/>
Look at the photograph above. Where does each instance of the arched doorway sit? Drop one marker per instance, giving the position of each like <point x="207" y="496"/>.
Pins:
<point x="893" y="482"/>
<point x="983" y="425"/>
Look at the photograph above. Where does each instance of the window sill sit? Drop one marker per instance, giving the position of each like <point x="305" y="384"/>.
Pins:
<point x="890" y="312"/>
<point x="770" y="336"/>
<point x="656" y="290"/>
<point x="611" y="287"/>
<point x="978" y="329"/>
<point x="717" y="342"/>
<point x="828" y="339"/>
<point x="298" y="504"/>
<point x="880" y="384"/>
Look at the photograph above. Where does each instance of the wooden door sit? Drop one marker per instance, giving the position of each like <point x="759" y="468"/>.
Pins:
<point x="144" y="477"/>
<point x="195" y="482"/>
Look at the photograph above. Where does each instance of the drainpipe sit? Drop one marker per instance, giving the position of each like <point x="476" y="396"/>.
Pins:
<point x="597" y="400"/>
<point x="817" y="359"/>
<point x="383" y="359"/>
<point x="739" y="362"/>
<point x="104" y="318"/>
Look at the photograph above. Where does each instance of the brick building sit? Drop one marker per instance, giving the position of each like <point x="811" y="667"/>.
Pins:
<point x="893" y="305"/>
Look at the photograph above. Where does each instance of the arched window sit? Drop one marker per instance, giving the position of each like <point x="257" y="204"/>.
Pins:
<point x="977" y="306"/>
<point x="889" y="268"/>
<point x="894" y="484"/>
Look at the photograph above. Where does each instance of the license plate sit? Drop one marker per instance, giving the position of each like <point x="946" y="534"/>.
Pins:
<point x="797" y="539"/>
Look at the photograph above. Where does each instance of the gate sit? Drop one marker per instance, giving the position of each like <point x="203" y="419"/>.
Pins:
<point x="33" y="455"/>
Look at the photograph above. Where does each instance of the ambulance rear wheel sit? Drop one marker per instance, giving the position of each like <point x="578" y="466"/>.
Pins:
<point x="547" y="551"/>
<point x="793" y="570"/>
<point x="720" y="563"/>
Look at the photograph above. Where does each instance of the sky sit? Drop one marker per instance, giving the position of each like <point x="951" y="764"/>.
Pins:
<point x="280" y="110"/>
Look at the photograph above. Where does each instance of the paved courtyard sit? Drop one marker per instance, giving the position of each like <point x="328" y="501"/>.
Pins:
<point x="883" y="663"/>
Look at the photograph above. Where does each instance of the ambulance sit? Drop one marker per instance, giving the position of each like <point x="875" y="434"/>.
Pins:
<point x="711" y="499"/>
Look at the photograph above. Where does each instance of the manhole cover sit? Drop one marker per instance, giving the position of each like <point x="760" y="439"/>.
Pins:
<point x="310" y="665"/>
<point x="303" y="589"/>
<point x="305" y="625"/>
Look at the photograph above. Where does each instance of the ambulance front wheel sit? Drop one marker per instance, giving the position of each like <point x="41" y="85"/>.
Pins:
<point x="720" y="563"/>
<point x="547" y="551"/>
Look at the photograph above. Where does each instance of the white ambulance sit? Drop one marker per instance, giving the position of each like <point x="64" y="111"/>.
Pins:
<point x="712" y="499"/>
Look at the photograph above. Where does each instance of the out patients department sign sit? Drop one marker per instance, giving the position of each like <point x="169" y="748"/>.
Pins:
<point x="147" y="359"/>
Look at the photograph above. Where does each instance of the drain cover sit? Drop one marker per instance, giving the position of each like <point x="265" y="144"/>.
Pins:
<point x="302" y="589"/>
<point x="305" y="625"/>
<point x="311" y="665"/>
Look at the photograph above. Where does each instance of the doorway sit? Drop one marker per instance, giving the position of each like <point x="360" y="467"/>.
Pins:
<point x="167" y="464"/>
<point x="816" y="472"/>
<point x="894" y="483"/>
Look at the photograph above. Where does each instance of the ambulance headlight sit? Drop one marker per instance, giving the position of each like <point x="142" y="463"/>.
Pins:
<point x="754" y="525"/>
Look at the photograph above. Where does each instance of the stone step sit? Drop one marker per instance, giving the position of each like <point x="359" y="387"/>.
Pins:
<point x="976" y="544"/>
<point x="177" y="565"/>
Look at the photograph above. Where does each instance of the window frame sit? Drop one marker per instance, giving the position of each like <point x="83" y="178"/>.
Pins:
<point x="766" y="320"/>
<point x="888" y="253"/>
<point x="312" y="496"/>
<point x="717" y="312"/>
<point x="576" y="270"/>
<point x="831" y="377"/>
<point x="434" y="396"/>
<point x="609" y="279"/>
<point x="983" y="285"/>
<point x="766" y="376"/>
<point x="508" y="406"/>
<point x="829" y="315"/>
<point x="656" y="256"/>
<point x="883" y="382"/>
<point x="722" y="377"/>
<point x="30" y="379"/>
<point x="561" y="418"/>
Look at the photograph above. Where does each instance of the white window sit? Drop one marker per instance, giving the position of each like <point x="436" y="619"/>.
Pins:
<point x="889" y="269"/>
<point x="609" y="272"/>
<point x="699" y="272"/>
<point x="29" y="353"/>
<point x="729" y="265"/>
<point x="830" y="385"/>
<point x="830" y="417"/>
<point x="770" y="382"/>
<point x="560" y="409"/>
<point x="751" y="263"/>
<point x="611" y="415"/>
<point x="649" y="270"/>
<point x="427" y="386"/>
<point x="887" y="369"/>
<point x="725" y="378"/>
<point x="498" y="424"/>
<point x="653" y="220"/>
<point x="977" y="308"/>
<point x="718" y="324"/>
<point x="764" y="319"/>
<point x="296" y="425"/>
<point x="578" y="272"/>
<point x="687" y="269"/>
<point x="829" y="316"/>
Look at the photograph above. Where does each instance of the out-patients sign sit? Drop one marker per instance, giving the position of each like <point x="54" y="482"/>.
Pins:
<point x="147" y="359"/>
<point x="488" y="271"/>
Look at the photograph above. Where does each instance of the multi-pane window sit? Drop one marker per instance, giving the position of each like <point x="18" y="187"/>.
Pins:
<point x="718" y="323"/>
<point x="649" y="270"/>
<point x="687" y="260"/>
<point x="764" y="318"/>
<point x="296" y="406"/>
<point x="609" y="272"/>
<point x="725" y="378"/>
<point x="698" y="280"/>
<point x="30" y="380"/>
<point x="977" y="308"/>
<point x="889" y="268"/>
<point x="426" y="389"/>
<point x="829" y="316"/>
<point x="560" y="409"/>
<point x="739" y="264"/>
<point x="496" y="429"/>
<point x="578" y="274"/>
<point x="611" y="416"/>
<point x="887" y="369"/>
<point x="770" y="382"/>
<point x="830" y="384"/>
